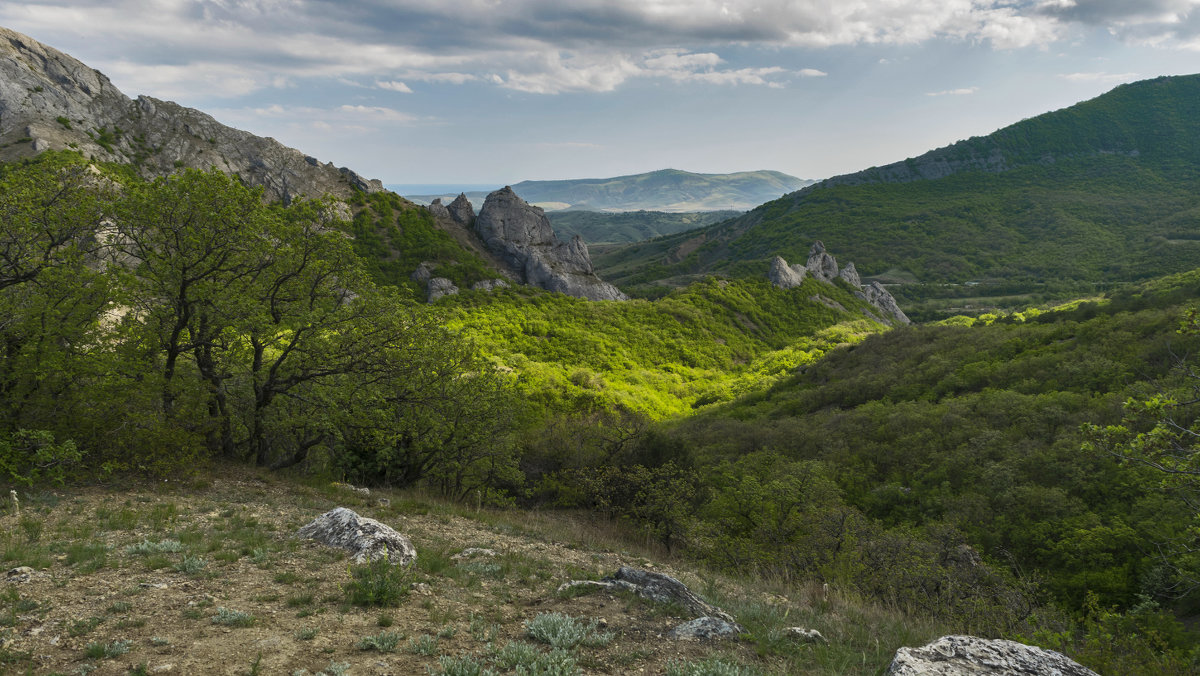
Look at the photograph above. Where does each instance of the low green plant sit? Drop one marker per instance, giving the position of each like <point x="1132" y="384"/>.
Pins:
<point x="306" y="634"/>
<point x="384" y="641"/>
<point x="563" y="631"/>
<point x="712" y="666"/>
<point x="464" y="665"/>
<point x="81" y="627"/>
<point x="191" y="565"/>
<point x="97" y="650"/>
<point x="378" y="583"/>
<point x="146" y="547"/>
<point x="232" y="618"/>
<point x="423" y="645"/>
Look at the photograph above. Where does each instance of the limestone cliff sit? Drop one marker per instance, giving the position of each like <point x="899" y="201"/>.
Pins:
<point x="49" y="100"/>
<point x="520" y="235"/>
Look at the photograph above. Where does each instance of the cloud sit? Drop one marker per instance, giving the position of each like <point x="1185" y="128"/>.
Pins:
<point x="227" y="48"/>
<point x="378" y="113"/>
<point x="954" y="92"/>
<point x="811" y="72"/>
<point x="394" y="86"/>
<point x="1099" y="77"/>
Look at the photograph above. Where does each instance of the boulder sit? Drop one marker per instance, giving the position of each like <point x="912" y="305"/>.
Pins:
<point x="804" y="635"/>
<point x="520" y="235"/>
<point x="850" y="274"/>
<point x="367" y="539"/>
<point x="437" y="209"/>
<point x="821" y="264"/>
<point x="440" y="286"/>
<point x="704" y="628"/>
<point x="659" y="588"/>
<point x="971" y="656"/>
<point x="461" y="211"/>
<point x="785" y="276"/>
<point x="876" y="295"/>
<point x="489" y="285"/>
<point x="423" y="272"/>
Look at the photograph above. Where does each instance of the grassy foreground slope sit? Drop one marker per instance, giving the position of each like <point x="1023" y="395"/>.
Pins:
<point x="1101" y="192"/>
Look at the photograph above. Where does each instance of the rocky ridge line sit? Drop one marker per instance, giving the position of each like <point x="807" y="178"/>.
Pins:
<point x="52" y="101"/>
<point x="824" y="267"/>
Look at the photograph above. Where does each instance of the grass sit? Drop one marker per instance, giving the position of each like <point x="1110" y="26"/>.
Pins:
<point x="97" y="650"/>
<point x="384" y="642"/>
<point x="563" y="631"/>
<point x="378" y="583"/>
<point x="232" y="618"/>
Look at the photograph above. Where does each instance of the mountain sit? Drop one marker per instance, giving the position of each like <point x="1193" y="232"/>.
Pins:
<point x="49" y="100"/>
<point x="597" y="227"/>
<point x="664" y="190"/>
<point x="1065" y="202"/>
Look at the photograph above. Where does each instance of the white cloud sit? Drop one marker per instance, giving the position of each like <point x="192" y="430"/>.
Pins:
<point x="964" y="91"/>
<point x="378" y="113"/>
<point x="393" y="86"/>
<point x="227" y="48"/>
<point x="811" y="72"/>
<point x="1099" y="77"/>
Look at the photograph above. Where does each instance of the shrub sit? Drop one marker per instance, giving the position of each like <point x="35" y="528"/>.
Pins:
<point x="232" y="618"/>
<point x="32" y="456"/>
<point x="563" y="631"/>
<point x="384" y="642"/>
<point x="378" y="583"/>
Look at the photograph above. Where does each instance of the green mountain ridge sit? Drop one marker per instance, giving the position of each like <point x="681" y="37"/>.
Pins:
<point x="1056" y="205"/>
<point x="670" y="190"/>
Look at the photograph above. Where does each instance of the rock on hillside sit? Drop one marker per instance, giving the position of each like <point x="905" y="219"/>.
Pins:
<point x="969" y="656"/>
<point x="49" y="100"/>
<point x="824" y="267"/>
<point x="520" y="235"/>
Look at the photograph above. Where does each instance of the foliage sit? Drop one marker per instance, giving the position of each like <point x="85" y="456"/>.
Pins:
<point x="597" y="227"/>
<point x="378" y="582"/>
<point x="32" y="456"/>
<point x="564" y="632"/>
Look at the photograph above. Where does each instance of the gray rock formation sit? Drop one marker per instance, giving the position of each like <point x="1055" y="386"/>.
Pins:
<point x="439" y="287"/>
<point x="704" y="628"/>
<point x="850" y="274"/>
<point x="665" y="589"/>
<point x="971" y="656"/>
<point x="366" y="538"/>
<point x="57" y="102"/>
<point x="824" y="267"/>
<point x="804" y="635"/>
<point x="520" y="235"/>
<point x="489" y="285"/>
<point x="423" y="272"/>
<point x="785" y="276"/>
<point x="876" y="295"/>
<point x="461" y="211"/>
<point x="821" y="264"/>
<point x="438" y="209"/>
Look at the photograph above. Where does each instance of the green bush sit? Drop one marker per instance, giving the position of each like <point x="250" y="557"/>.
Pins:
<point x="378" y="583"/>
<point x="29" y="457"/>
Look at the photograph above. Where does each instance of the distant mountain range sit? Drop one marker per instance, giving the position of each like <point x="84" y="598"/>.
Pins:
<point x="669" y="190"/>
<point x="1103" y="191"/>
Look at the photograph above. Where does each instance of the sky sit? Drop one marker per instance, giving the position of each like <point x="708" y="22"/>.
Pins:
<point x="499" y="91"/>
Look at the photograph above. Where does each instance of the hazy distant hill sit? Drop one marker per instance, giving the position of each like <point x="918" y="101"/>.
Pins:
<point x="669" y="190"/>
<point x="630" y="226"/>
<point x="1099" y="192"/>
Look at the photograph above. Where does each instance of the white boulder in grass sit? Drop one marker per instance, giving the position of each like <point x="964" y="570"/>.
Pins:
<point x="972" y="656"/>
<point x="367" y="539"/>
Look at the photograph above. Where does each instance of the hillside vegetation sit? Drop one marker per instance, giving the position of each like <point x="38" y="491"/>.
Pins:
<point x="1052" y="207"/>
<point x="629" y="226"/>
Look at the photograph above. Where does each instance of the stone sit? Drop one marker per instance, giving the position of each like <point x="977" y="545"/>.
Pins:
<point x="348" y="487"/>
<point x="804" y="635"/>
<point x="367" y="539"/>
<point x="439" y="287"/>
<point x="704" y="628"/>
<point x="437" y="209"/>
<point x="461" y="211"/>
<point x="423" y="272"/>
<point x="850" y="274"/>
<point x="489" y="285"/>
<point x="971" y="656"/>
<point x="785" y="276"/>
<point x="19" y="574"/>
<point x="876" y="295"/>
<point x="519" y="234"/>
<point x="821" y="264"/>
<point x="472" y="552"/>
<point x="660" y="588"/>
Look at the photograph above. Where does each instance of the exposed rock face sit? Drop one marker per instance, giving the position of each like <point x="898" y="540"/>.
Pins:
<point x="438" y="209"/>
<point x="822" y="265"/>
<point x="440" y="286"/>
<point x="58" y="102"/>
<point x="785" y="276"/>
<point x="876" y="295"/>
<point x="850" y="274"/>
<point x="366" y="538"/>
<point x="461" y="210"/>
<point x="489" y="285"/>
<point x="971" y="656"/>
<point x="704" y="628"/>
<point x="520" y="234"/>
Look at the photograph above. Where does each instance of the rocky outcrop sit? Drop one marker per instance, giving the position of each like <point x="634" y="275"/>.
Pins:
<point x="785" y="276"/>
<point x="49" y="100"/>
<point x="461" y="211"/>
<point x="876" y="295"/>
<point x="971" y="656"/>
<point x="489" y="285"/>
<point x="367" y="539"/>
<point x="710" y="622"/>
<point x="520" y="235"/>
<point x="824" y="267"/>
<point x="439" y="287"/>
<point x="437" y="209"/>
<point x="821" y="264"/>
